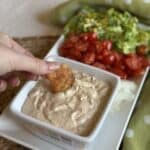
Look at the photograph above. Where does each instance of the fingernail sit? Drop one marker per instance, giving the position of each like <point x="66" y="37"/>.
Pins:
<point x="2" y="86"/>
<point x="53" y="66"/>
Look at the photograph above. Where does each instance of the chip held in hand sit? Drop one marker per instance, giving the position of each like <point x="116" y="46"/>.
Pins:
<point x="61" y="79"/>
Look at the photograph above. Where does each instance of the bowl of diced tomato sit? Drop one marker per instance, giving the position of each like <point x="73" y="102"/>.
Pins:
<point x="89" y="49"/>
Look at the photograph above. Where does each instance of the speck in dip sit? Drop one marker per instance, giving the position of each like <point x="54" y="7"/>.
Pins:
<point x="77" y="109"/>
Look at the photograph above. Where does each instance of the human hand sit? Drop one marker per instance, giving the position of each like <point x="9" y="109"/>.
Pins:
<point x="15" y="58"/>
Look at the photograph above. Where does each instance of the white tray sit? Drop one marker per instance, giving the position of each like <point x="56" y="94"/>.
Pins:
<point x="109" y="137"/>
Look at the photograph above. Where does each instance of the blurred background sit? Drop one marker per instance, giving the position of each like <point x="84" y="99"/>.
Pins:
<point x="24" y="18"/>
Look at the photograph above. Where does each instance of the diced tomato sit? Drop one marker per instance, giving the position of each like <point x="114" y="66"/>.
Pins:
<point x="145" y="62"/>
<point x="137" y="73"/>
<point x="81" y="47"/>
<point x="105" y="53"/>
<point x="132" y="62"/>
<point x="71" y="57"/>
<point x="119" y="72"/>
<point x="67" y="45"/>
<point x="118" y="56"/>
<point x="87" y="48"/>
<point x="73" y="39"/>
<point x="107" y="44"/>
<point x="75" y="54"/>
<point x="99" y="65"/>
<point x="92" y="36"/>
<point x="89" y="58"/>
<point x="119" y="65"/>
<point x="63" y="52"/>
<point x="98" y="47"/>
<point x="109" y="59"/>
<point x="99" y="57"/>
<point x="91" y="48"/>
<point x="83" y="36"/>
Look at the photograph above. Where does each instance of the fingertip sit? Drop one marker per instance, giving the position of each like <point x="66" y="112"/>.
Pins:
<point x="34" y="65"/>
<point x="53" y="66"/>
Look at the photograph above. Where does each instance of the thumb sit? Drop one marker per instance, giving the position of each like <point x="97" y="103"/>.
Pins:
<point x="34" y="65"/>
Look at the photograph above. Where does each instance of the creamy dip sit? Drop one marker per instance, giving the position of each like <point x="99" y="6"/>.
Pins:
<point x="76" y="110"/>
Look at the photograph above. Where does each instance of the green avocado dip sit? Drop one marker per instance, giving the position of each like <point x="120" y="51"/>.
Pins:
<point x="120" y="27"/>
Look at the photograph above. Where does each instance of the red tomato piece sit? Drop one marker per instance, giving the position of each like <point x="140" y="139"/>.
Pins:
<point x="107" y="44"/>
<point x="119" y="72"/>
<point x="109" y="59"/>
<point x="92" y="36"/>
<point x="71" y="57"/>
<point x="137" y="73"/>
<point x="81" y="47"/>
<point x="63" y="51"/>
<point x="144" y="61"/>
<point x="73" y="39"/>
<point x="119" y="65"/>
<point x="105" y="52"/>
<point x="67" y="45"/>
<point x="98" y="47"/>
<point x="75" y="54"/>
<point x="99" y="57"/>
<point x="83" y="36"/>
<point x="87" y="48"/>
<point x="118" y="56"/>
<point x="89" y="58"/>
<point x="132" y="62"/>
<point x="99" y="65"/>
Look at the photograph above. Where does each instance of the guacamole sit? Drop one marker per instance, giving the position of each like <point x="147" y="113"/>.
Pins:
<point x="120" y="27"/>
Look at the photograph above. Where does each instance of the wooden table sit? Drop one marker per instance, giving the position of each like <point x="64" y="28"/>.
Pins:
<point x="39" y="46"/>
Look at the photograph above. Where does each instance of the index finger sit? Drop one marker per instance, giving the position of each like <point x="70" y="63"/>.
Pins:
<point x="10" y="43"/>
<point x="19" y="48"/>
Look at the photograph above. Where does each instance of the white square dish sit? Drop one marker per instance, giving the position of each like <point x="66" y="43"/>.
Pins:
<point x="47" y="131"/>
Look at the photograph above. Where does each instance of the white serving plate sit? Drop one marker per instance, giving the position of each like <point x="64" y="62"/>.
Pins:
<point x="119" y="121"/>
<point x="109" y="137"/>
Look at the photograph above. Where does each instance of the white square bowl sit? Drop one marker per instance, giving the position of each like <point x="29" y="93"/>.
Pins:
<point x="60" y="136"/>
